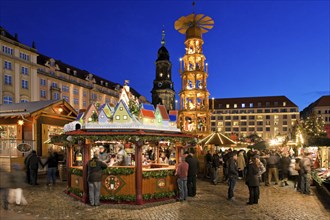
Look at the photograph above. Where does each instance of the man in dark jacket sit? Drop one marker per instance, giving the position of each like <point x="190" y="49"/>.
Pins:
<point x="94" y="177"/>
<point x="208" y="161"/>
<point x="33" y="165"/>
<point x="52" y="162"/>
<point x="232" y="174"/>
<point x="215" y="165"/>
<point x="192" y="172"/>
<point x="285" y="164"/>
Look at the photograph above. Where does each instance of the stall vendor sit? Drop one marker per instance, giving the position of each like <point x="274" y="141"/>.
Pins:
<point x="163" y="159"/>
<point x="121" y="156"/>
<point x="103" y="155"/>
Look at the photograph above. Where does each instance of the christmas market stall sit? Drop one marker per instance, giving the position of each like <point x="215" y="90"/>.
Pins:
<point x="141" y="150"/>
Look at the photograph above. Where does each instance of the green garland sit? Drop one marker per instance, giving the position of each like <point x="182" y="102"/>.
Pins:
<point x="75" y="191"/>
<point x="128" y="138"/>
<point x="158" y="195"/>
<point x="132" y="198"/>
<point x="118" y="171"/>
<point x="75" y="171"/>
<point x="118" y="198"/>
<point x="157" y="174"/>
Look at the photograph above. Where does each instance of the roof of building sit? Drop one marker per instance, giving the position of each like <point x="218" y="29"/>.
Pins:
<point x="147" y="106"/>
<point x="27" y="108"/>
<point x="265" y="102"/>
<point x="6" y="34"/>
<point x="147" y="113"/>
<point x="322" y="101"/>
<point x="163" y="112"/>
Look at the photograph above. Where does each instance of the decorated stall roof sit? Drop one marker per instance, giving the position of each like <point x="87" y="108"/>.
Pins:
<point x="128" y="115"/>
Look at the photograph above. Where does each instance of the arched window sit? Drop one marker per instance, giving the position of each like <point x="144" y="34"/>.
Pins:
<point x="7" y="100"/>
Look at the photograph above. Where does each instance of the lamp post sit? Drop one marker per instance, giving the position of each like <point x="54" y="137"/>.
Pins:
<point x="176" y="104"/>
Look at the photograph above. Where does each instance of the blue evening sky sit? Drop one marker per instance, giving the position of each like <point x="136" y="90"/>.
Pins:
<point x="256" y="48"/>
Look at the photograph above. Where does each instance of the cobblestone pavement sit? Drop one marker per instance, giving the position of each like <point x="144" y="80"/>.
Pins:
<point x="209" y="203"/>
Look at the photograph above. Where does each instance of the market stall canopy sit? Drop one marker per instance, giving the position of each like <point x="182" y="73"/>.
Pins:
<point x="217" y="139"/>
<point x="262" y="145"/>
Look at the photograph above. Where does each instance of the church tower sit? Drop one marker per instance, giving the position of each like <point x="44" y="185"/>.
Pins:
<point x="194" y="113"/>
<point x="163" y="89"/>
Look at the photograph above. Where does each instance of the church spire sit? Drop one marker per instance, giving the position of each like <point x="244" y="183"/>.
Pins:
<point x="163" y="37"/>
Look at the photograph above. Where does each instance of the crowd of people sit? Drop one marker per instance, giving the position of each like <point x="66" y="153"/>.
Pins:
<point x="260" y="167"/>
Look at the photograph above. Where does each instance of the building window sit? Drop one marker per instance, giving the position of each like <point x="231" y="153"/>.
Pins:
<point x="251" y="117"/>
<point x="25" y="70"/>
<point x="251" y="129"/>
<point x="251" y="105"/>
<point x="243" y="123"/>
<point x="7" y="100"/>
<point x="66" y="98"/>
<point x="267" y="128"/>
<point x="75" y="91"/>
<point x="65" y="89"/>
<point x="251" y="122"/>
<point x="235" y="118"/>
<point x="275" y="110"/>
<point x="275" y="104"/>
<point x="56" y="96"/>
<point x="259" y="110"/>
<point x="220" y="117"/>
<point x="212" y="124"/>
<point x="267" y="117"/>
<point x="228" y="123"/>
<point x="293" y="116"/>
<point x="267" y="122"/>
<point x="243" y="105"/>
<point x="227" y="105"/>
<point x="220" y="123"/>
<point x="284" y="104"/>
<point x="235" y="105"/>
<point x="54" y="84"/>
<point x="259" y="123"/>
<point x="228" y="129"/>
<point x="117" y="117"/>
<point x="285" y="117"/>
<point x="292" y="110"/>
<point x="75" y="101"/>
<point x="25" y="84"/>
<point x="236" y="129"/>
<point x="267" y="104"/>
<point x="94" y="96"/>
<point x="42" y="82"/>
<point x="285" y="123"/>
<point x="8" y="80"/>
<point x="259" y="128"/>
<point x="84" y="93"/>
<point x="7" y="65"/>
<point x="43" y="93"/>
<point x="227" y="118"/>
<point x="24" y="100"/>
<point x="235" y="123"/>
<point x="250" y="111"/>
<point x="259" y="104"/>
<point x="285" y="129"/>
<point x="267" y="110"/>
<point x="7" y="50"/>
<point x="284" y="110"/>
<point x="212" y="117"/>
<point x="24" y="56"/>
<point x="243" y="129"/>
<point x="84" y="103"/>
<point x="243" y="117"/>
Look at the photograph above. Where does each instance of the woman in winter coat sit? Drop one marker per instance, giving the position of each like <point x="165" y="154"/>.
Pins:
<point x="255" y="169"/>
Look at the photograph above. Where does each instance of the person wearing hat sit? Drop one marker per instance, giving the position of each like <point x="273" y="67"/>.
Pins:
<point x="232" y="174"/>
<point x="94" y="176"/>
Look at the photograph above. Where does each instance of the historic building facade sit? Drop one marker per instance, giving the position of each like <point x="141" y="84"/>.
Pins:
<point x="321" y="107"/>
<point x="268" y="117"/>
<point x="163" y="86"/>
<point x="27" y="75"/>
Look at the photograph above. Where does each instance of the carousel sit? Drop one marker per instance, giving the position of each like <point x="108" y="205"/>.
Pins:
<point x="141" y="145"/>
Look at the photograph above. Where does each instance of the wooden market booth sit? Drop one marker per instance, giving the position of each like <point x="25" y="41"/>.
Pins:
<point x="136" y="182"/>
